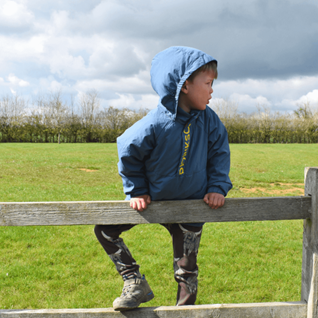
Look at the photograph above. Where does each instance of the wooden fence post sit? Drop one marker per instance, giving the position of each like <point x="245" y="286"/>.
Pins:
<point x="309" y="284"/>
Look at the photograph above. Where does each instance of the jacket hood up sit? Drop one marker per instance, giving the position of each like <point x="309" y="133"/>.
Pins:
<point x="170" y="69"/>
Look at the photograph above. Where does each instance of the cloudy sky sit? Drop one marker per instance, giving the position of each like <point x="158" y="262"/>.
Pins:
<point x="267" y="50"/>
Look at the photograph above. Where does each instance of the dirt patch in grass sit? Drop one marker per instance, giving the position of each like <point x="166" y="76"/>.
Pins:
<point x="278" y="189"/>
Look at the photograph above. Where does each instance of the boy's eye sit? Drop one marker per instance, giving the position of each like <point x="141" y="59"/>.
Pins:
<point x="210" y="83"/>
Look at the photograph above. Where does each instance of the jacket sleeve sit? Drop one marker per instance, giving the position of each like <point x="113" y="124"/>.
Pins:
<point x="134" y="147"/>
<point x="218" y="166"/>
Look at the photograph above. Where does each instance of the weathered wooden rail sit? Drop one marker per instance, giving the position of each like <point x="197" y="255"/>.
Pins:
<point x="244" y="209"/>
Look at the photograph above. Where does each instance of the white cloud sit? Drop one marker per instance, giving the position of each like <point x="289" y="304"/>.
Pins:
<point x="56" y="86"/>
<point x="51" y="85"/>
<point x="60" y="20"/>
<point x="311" y="98"/>
<point x="16" y="81"/>
<point x="15" y="52"/>
<point x="137" y="84"/>
<point x="279" y="95"/>
<point x="118" y="59"/>
<point x="291" y="88"/>
<point x="78" y="46"/>
<point x="248" y="104"/>
<point x="14" y="15"/>
<point x="148" y="101"/>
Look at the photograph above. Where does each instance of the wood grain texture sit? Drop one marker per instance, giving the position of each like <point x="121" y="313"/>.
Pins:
<point x="309" y="285"/>
<point x="261" y="310"/>
<point x="119" y="212"/>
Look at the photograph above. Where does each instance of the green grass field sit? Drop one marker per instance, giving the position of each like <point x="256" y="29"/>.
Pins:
<point x="65" y="267"/>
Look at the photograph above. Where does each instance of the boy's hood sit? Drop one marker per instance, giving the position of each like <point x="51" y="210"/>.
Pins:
<point x="170" y="69"/>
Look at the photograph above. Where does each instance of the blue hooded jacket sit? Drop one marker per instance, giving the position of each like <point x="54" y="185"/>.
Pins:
<point x="171" y="154"/>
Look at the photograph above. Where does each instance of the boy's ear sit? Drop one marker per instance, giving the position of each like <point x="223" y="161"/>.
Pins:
<point x="184" y="87"/>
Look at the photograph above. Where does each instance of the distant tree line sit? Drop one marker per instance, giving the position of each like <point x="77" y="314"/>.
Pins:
<point x="50" y="119"/>
<point x="265" y="126"/>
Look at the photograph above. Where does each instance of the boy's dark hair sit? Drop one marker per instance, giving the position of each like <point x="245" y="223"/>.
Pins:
<point x="211" y="66"/>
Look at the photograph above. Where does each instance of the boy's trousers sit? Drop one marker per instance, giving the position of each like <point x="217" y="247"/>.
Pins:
<point x="185" y="240"/>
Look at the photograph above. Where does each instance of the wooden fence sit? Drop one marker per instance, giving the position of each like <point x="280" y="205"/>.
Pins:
<point x="243" y="209"/>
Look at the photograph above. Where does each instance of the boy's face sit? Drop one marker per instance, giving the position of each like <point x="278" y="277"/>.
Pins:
<point x="196" y="94"/>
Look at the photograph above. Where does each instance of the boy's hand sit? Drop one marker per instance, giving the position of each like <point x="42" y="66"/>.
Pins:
<point x="214" y="200"/>
<point x="140" y="203"/>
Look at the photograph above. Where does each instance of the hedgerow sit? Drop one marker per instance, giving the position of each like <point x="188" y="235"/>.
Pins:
<point x="50" y="119"/>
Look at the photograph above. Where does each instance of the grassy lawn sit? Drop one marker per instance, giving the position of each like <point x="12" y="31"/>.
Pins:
<point x="65" y="267"/>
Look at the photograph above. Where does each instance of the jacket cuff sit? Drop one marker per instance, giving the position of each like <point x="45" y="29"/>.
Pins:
<point x="216" y="189"/>
<point x="137" y="193"/>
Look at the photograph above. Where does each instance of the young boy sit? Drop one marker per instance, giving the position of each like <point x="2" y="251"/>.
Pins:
<point x="178" y="151"/>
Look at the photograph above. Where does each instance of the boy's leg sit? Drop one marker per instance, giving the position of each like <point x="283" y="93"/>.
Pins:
<point x="136" y="289"/>
<point x="114" y="246"/>
<point x="186" y="241"/>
